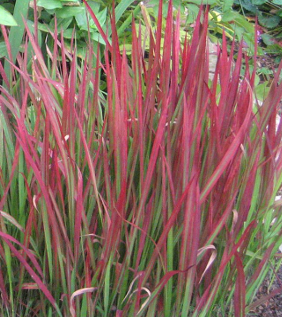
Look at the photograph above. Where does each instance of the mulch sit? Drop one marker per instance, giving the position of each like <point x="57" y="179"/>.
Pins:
<point x="269" y="306"/>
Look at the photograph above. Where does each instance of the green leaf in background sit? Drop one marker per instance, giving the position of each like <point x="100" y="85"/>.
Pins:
<point x="274" y="49"/>
<point x="278" y="2"/>
<point x="269" y="21"/>
<point x="242" y="22"/>
<point x="279" y="13"/>
<point x="50" y="4"/>
<point x="227" y="5"/>
<point x="199" y="2"/>
<point x="8" y="6"/>
<point x="246" y="4"/>
<point x="6" y="17"/>
<point x="43" y="27"/>
<point x="258" y="2"/>
<point x="3" y="50"/>
<point x="71" y="2"/>
<point x="228" y="16"/>
<point x="102" y="17"/>
<point x="262" y="90"/>
<point x="81" y="20"/>
<point x="265" y="71"/>
<point x="17" y="31"/>
<point x="67" y="12"/>
<point x="193" y="11"/>
<point x="97" y="38"/>
<point x="122" y="6"/>
<point x="267" y="39"/>
<point x="62" y="24"/>
<point x="68" y="34"/>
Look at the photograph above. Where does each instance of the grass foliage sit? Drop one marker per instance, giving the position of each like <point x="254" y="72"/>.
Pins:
<point x="154" y="197"/>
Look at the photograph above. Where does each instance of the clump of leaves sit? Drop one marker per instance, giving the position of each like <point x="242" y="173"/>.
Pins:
<point x="65" y="16"/>
<point x="268" y="12"/>
<point x="269" y="15"/>
<point x="155" y="199"/>
<point x="222" y="18"/>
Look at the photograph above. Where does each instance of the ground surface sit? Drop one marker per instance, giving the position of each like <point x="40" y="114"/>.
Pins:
<point x="271" y="307"/>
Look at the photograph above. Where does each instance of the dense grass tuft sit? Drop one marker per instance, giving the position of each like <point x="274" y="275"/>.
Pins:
<point x="154" y="197"/>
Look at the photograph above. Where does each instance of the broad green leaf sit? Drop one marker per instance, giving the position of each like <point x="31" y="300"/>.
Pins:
<point x="228" y="16"/>
<point x="102" y="17"/>
<point x="127" y="22"/>
<point x="274" y="49"/>
<point x="71" y="2"/>
<point x="241" y="21"/>
<point x="68" y="12"/>
<point x="247" y="4"/>
<point x="94" y="6"/>
<point x="3" y="50"/>
<point x="267" y="39"/>
<point x="82" y="21"/>
<point x="265" y="71"/>
<point x="50" y="4"/>
<point x="62" y="25"/>
<point x="227" y="5"/>
<point x="17" y="31"/>
<point x="81" y="18"/>
<point x="123" y="5"/>
<point x="262" y="90"/>
<point x="279" y="2"/>
<point x="258" y="2"/>
<point x="269" y="21"/>
<point x="279" y="13"/>
<point x="43" y="27"/>
<point x="97" y="38"/>
<point x="68" y="34"/>
<point x="277" y="60"/>
<point x="8" y="6"/>
<point x="193" y="11"/>
<point x="6" y="17"/>
<point x="199" y="2"/>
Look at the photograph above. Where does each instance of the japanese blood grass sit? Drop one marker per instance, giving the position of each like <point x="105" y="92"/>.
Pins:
<point x="154" y="198"/>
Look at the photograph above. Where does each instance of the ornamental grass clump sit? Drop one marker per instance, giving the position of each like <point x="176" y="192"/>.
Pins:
<point x="152" y="197"/>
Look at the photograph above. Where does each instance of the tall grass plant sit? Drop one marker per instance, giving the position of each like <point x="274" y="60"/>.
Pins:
<point x="153" y="197"/>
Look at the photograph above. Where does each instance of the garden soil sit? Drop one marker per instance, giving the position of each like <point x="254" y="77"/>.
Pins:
<point x="271" y="307"/>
